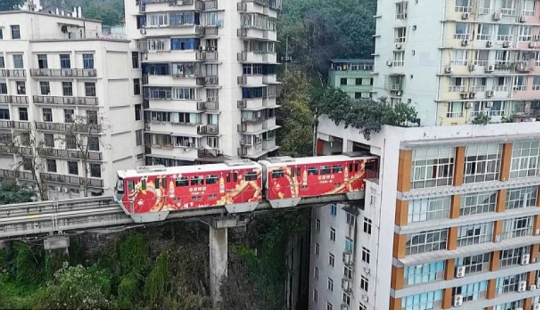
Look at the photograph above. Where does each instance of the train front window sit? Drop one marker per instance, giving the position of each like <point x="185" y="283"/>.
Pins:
<point x="120" y="186"/>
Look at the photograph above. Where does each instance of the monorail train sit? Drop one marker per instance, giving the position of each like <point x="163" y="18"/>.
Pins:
<point x="149" y="193"/>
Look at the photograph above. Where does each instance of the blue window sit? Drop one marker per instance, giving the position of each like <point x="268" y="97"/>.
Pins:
<point x="141" y="20"/>
<point x="184" y="18"/>
<point x="423" y="273"/>
<point x="157" y="69"/>
<point x="185" y="44"/>
<point x="253" y="92"/>
<point x="333" y="210"/>
<point x="349" y="244"/>
<point x="88" y="61"/>
<point x="430" y="300"/>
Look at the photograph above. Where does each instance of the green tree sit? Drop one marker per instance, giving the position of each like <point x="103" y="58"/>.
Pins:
<point x="8" y="5"/>
<point x="10" y="192"/>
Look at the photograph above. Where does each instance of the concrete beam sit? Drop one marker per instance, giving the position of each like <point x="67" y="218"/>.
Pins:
<point x="56" y="242"/>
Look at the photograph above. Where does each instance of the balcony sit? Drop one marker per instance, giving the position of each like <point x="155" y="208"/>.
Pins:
<point x="71" y="180"/>
<point x="255" y="33"/>
<point x="211" y="5"/>
<point x="69" y="127"/>
<point x="211" y="31"/>
<point x="257" y="57"/>
<point x="14" y="124"/>
<point x="175" y="30"/>
<point x="13" y="73"/>
<point x="12" y="174"/>
<point x="269" y="145"/>
<point x="63" y="73"/>
<point x="59" y="100"/>
<point x="210" y="130"/>
<point x="207" y="56"/>
<point x="207" y="106"/>
<point x="163" y="5"/>
<point x="15" y="99"/>
<point x="254" y="120"/>
<point x="209" y="81"/>
<point x="21" y="150"/>
<point x="59" y="153"/>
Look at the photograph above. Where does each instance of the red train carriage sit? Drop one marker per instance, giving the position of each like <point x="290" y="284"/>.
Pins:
<point x="288" y="180"/>
<point x="149" y="193"/>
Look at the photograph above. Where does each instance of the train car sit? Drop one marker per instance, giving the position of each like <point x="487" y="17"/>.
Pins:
<point x="288" y="180"/>
<point x="148" y="194"/>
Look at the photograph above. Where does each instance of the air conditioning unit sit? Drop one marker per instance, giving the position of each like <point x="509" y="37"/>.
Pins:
<point x="466" y="16"/>
<point x="389" y="63"/>
<point x="460" y="272"/>
<point x="472" y="95"/>
<point x="202" y="48"/>
<point x="490" y="68"/>
<point x="344" y="307"/>
<point x="468" y="105"/>
<point x="536" y="306"/>
<point x="472" y="67"/>
<point x="465" y="42"/>
<point x="532" y="287"/>
<point x="489" y="44"/>
<point x="398" y="46"/>
<point x="458" y="300"/>
<point x="523" y="19"/>
<point x="365" y="297"/>
<point x="522" y="286"/>
<point x="497" y="16"/>
<point x="66" y="190"/>
<point x="346" y="285"/>
<point x="399" y="93"/>
<point x="489" y="104"/>
<point x="525" y="259"/>
<point x="506" y="44"/>
<point x="489" y="93"/>
<point x="347" y="258"/>
<point x="532" y="45"/>
<point x="449" y="69"/>
<point x="464" y="95"/>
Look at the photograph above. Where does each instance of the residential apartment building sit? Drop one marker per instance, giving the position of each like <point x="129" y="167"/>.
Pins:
<point x="353" y="76"/>
<point x="67" y="97"/>
<point x="209" y="78"/>
<point x="456" y="59"/>
<point x="450" y="221"/>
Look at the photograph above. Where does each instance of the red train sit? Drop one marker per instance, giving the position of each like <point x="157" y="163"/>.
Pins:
<point x="148" y="194"/>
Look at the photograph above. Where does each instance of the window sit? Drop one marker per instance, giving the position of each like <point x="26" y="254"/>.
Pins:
<point x="482" y="162"/>
<point x="333" y="210"/>
<point x="95" y="170"/>
<point x="350" y="218"/>
<point x="428" y="209"/>
<point x="178" y="44"/>
<point x="1" y="34"/>
<point x="347" y="272"/>
<point x="521" y="197"/>
<point x="136" y="87"/>
<point x="51" y="165"/>
<point x="2" y="62"/>
<point x="330" y="285"/>
<point x="315" y="296"/>
<point x="15" y="32"/>
<point x="317" y="249"/>
<point x="358" y="81"/>
<point x="91" y="117"/>
<point x="433" y="167"/>
<point x="18" y="62"/>
<point x="365" y="255"/>
<point x="478" y="203"/>
<point x="474" y="264"/>
<point x="332" y="234"/>
<point x="23" y="114"/>
<point x="510" y="284"/>
<point x="346" y="299"/>
<point x="329" y="306"/>
<point x="512" y="257"/>
<point x="90" y="89"/>
<point x="361" y="306"/>
<point x="4" y="114"/>
<point x="318" y="225"/>
<point x="316" y="273"/>
<point x="525" y="155"/>
<point x="509" y="7"/>
<point x="3" y="89"/>
<point x="367" y="226"/>
<point x="93" y="144"/>
<point x="67" y="89"/>
<point x="68" y="115"/>
<point x="426" y="241"/>
<point x="138" y="112"/>
<point x="424" y="301"/>
<point x="42" y="61"/>
<point x="463" y="6"/>
<point x="474" y="234"/>
<point x="21" y="87"/>
<point x="399" y="59"/>
<point x="461" y="31"/>
<point x="48" y="139"/>
<point x="364" y="283"/>
<point x="517" y="227"/>
<point x="71" y="142"/>
<point x="401" y="10"/>
<point x="470" y="292"/>
<point x="88" y="61"/>
<point x="343" y="81"/>
<point x="400" y="35"/>
<point x="455" y="109"/>
<point x="47" y="115"/>
<point x="45" y="88"/>
<point x="424" y="273"/>
<point x="158" y="45"/>
<point x="73" y="168"/>
<point x="331" y="259"/>
<point x="517" y="304"/>
<point x="25" y="138"/>
<point x="135" y="60"/>
<point x="65" y="61"/>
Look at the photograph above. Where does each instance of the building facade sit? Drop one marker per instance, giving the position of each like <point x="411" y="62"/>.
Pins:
<point x="209" y="78"/>
<point x="353" y="76"/>
<point x="63" y="90"/>
<point x="451" y="221"/>
<point x="457" y="59"/>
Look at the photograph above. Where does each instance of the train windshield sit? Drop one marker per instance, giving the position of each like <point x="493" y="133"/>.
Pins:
<point x="120" y="185"/>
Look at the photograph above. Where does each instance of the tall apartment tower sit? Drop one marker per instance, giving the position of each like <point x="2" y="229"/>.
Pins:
<point x="451" y="221"/>
<point x="208" y="76"/>
<point x="456" y="59"/>
<point x="66" y="102"/>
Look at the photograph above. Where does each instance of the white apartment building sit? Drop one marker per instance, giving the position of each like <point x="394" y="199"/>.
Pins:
<point x="56" y="70"/>
<point x="451" y="220"/>
<point x="209" y="78"/>
<point x="456" y="59"/>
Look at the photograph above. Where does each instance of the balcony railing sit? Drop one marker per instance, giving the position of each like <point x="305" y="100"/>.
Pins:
<point x="15" y="73"/>
<point x="70" y="127"/>
<point x="14" y="124"/>
<point x="64" y="72"/>
<point x="84" y="101"/>
<point x="208" y="130"/>
<point x="14" y="99"/>
<point x="11" y="174"/>
<point x="59" y="153"/>
<point x="21" y="150"/>
<point x="207" y="105"/>
<point x="69" y="179"/>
